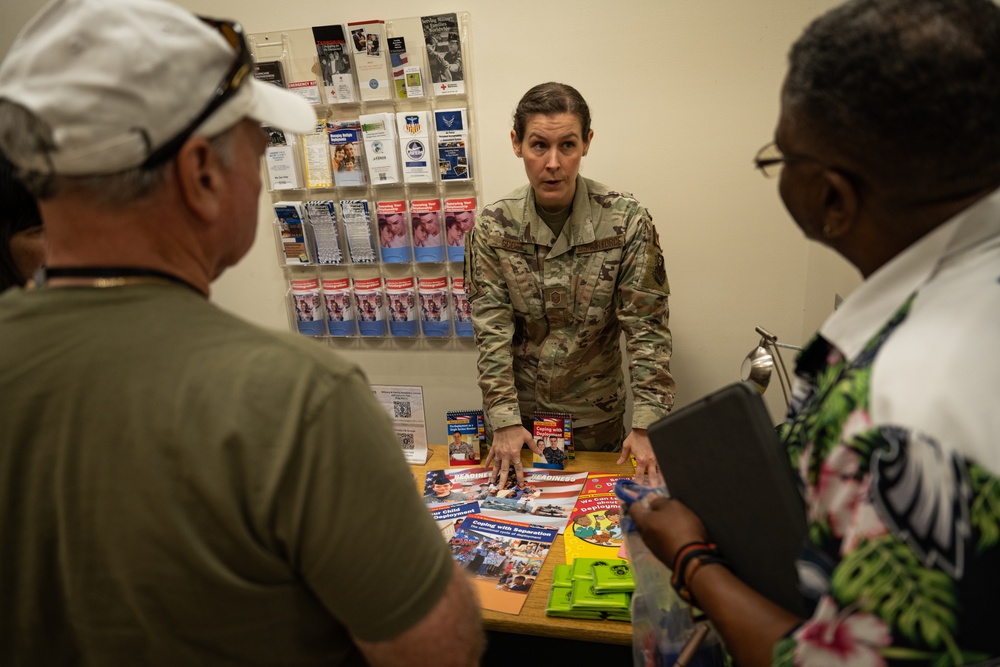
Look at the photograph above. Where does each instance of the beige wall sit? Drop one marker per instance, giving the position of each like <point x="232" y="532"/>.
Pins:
<point x="682" y="94"/>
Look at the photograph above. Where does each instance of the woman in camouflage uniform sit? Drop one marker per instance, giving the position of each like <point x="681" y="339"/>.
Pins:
<point x="556" y="271"/>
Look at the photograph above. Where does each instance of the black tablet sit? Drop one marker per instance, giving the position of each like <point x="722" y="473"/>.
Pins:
<point x="721" y="457"/>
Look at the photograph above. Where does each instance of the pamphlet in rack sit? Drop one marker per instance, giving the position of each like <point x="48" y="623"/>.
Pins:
<point x="379" y="133"/>
<point x="367" y="40"/>
<point x="346" y="153"/>
<point x="453" y="142"/>
<point x="368" y="300"/>
<point x="317" y="158"/>
<point x="355" y="215"/>
<point x="461" y="307"/>
<point x="434" y="315"/>
<point x="282" y="171"/>
<point x="405" y="76"/>
<point x="425" y="215"/>
<point x="392" y="226"/>
<point x="399" y="294"/>
<point x="413" y="128"/>
<point x="308" y="313"/>
<point x="322" y="217"/>
<point x="339" y="306"/>
<point x="291" y="228"/>
<point x="444" y="53"/>
<point x="459" y="219"/>
<point x="270" y="71"/>
<point x="334" y="64"/>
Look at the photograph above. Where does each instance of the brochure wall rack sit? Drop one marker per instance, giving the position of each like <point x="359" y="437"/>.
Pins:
<point x="371" y="209"/>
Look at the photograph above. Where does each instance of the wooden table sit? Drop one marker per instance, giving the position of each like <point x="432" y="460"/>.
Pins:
<point x="532" y="619"/>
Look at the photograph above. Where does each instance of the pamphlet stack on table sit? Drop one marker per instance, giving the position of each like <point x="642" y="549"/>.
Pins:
<point x="592" y="588"/>
<point x="532" y="618"/>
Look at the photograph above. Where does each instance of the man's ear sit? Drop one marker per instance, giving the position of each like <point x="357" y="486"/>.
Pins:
<point x="841" y="204"/>
<point x="201" y="179"/>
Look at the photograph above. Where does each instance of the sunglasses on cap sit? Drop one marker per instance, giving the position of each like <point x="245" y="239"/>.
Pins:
<point x="242" y="65"/>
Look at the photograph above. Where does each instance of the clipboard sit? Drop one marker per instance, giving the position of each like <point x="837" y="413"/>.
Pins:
<point x="721" y="457"/>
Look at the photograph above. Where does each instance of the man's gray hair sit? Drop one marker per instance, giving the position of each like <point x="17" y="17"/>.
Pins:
<point x="23" y="134"/>
<point x="910" y="88"/>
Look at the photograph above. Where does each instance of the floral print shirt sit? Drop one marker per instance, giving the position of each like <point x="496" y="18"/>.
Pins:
<point x="901" y="563"/>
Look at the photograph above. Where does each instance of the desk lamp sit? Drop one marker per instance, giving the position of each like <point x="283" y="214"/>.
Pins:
<point x="759" y="364"/>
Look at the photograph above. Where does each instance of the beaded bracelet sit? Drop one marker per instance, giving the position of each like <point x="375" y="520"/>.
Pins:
<point x="685" y="588"/>
<point x="702" y="554"/>
<point x="685" y="554"/>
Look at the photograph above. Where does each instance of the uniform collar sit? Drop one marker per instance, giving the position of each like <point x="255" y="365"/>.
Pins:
<point x="578" y="230"/>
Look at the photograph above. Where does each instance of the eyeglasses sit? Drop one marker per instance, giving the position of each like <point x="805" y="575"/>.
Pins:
<point x="770" y="159"/>
<point x="242" y="65"/>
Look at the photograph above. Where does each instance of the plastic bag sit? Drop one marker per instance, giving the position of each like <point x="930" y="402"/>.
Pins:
<point x="662" y="624"/>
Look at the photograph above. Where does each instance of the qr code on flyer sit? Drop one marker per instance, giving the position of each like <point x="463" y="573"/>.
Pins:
<point x="405" y="439"/>
<point x="401" y="410"/>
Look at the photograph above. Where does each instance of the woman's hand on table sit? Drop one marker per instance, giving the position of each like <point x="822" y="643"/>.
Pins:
<point x="506" y="451"/>
<point x="647" y="471"/>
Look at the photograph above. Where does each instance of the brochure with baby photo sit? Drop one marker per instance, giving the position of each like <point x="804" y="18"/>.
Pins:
<point x="347" y="153"/>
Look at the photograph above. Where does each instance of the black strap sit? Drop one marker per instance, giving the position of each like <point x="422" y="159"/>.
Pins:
<point x="113" y="272"/>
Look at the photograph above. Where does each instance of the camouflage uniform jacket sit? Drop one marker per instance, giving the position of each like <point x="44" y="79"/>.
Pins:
<point x="548" y="312"/>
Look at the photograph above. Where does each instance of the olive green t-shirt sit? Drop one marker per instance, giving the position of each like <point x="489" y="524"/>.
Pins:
<point x="178" y="487"/>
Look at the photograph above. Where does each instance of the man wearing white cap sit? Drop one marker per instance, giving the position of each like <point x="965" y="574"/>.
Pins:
<point x="178" y="487"/>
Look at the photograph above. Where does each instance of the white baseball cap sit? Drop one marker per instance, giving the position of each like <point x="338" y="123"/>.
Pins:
<point x="116" y="80"/>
